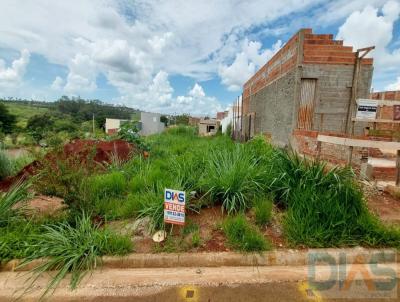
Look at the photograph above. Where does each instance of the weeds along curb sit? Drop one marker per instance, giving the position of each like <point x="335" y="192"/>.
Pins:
<point x="272" y="258"/>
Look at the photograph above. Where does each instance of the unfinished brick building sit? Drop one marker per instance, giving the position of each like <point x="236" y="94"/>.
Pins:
<point x="388" y="113"/>
<point x="308" y="85"/>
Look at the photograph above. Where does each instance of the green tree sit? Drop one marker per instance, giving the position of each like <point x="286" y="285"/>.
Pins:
<point x="38" y="125"/>
<point x="182" y="119"/>
<point x="164" y="119"/>
<point x="7" y="120"/>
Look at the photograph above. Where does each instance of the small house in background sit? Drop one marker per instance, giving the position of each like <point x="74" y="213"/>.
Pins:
<point x="149" y="124"/>
<point x="232" y="118"/>
<point x="193" y="121"/>
<point x="208" y="127"/>
<point x="113" y="125"/>
<point x="221" y="115"/>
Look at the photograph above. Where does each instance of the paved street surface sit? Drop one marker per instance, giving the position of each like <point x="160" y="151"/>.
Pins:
<point x="200" y="284"/>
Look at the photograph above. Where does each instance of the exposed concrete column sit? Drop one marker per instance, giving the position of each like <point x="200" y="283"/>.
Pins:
<point x="298" y="74"/>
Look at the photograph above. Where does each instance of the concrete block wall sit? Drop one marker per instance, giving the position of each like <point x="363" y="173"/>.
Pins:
<point x="333" y="93"/>
<point x="274" y="109"/>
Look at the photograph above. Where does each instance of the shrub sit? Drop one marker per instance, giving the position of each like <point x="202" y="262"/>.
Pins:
<point x="73" y="250"/>
<point x="233" y="177"/>
<point x="263" y="210"/>
<point x="243" y="236"/>
<point x="63" y="178"/>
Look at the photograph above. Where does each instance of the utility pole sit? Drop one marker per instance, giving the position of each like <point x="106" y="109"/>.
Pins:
<point x="93" y="123"/>
<point x="351" y="107"/>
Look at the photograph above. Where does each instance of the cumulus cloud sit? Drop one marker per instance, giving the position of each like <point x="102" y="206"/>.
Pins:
<point x="246" y="63"/>
<point x="394" y="86"/>
<point x="129" y="42"/>
<point x="12" y="76"/>
<point x="58" y="83"/>
<point x="82" y="75"/>
<point x="372" y="26"/>
<point x="159" y="98"/>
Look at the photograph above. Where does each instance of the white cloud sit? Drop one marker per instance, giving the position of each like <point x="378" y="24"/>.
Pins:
<point x="131" y="41"/>
<point x="58" y="83"/>
<point x="82" y="75"/>
<point x="370" y="28"/>
<point x="159" y="98"/>
<point x="12" y="76"/>
<point x="394" y="86"/>
<point x="246" y="63"/>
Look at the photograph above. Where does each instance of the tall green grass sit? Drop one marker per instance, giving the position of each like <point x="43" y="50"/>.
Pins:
<point x="73" y="249"/>
<point x="243" y="236"/>
<point x="325" y="206"/>
<point x="108" y="185"/>
<point x="6" y="165"/>
<point x="11" y="202"/>
<point x="234" y="178"/>
<point x="263" y="210"/>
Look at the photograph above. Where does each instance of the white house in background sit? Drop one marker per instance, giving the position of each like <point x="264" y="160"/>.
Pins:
<point x="149" y="124"/>
<point x="113" y="125"/>
<point x="229" y="118"/>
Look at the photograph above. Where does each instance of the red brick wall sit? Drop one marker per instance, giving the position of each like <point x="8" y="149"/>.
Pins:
<point x="305" y="142"/>
<point x="322" y="49"/>
<point x="386" y="95"/>
<point x="386" y="112"/>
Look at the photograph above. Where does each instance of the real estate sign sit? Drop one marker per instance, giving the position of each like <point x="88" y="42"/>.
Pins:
<point x="366" y="109"/>
<point x="174" y="206"/>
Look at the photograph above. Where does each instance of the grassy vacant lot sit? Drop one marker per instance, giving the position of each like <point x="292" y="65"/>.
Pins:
<point x="24" y="112"/>
<point x="319" y="207"/>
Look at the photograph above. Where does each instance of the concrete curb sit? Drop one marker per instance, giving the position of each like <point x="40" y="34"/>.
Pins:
<point x="272" y="258"/>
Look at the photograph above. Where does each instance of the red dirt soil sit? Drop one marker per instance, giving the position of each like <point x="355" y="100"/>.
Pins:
<point x="101" y="151"/>
<point x="385" y="206"/>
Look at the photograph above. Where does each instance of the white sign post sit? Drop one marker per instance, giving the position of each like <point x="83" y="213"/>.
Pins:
<point x="174" y="206"/>
<point x="366" y="109"/>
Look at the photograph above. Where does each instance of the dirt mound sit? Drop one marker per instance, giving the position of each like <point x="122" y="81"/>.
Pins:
<point x="84" y="151"/>
<point x="102" y="151"/>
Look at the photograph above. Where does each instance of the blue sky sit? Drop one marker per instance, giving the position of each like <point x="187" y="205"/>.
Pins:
<point x="174" y="56"/>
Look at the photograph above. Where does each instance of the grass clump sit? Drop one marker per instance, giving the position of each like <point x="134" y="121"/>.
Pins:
<point x="9" y="200"/>
<point x="325" y="207"/>
<point x="6" y="165"/>
<point x="243" y="236"/>
<point x="263" y="210"/>
<point x="234" y="178"/>
<point x="73" y="249"/>
<point x="17" y="239"/>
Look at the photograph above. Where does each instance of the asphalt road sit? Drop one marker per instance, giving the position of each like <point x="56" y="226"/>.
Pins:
<point x="233" y="284"/>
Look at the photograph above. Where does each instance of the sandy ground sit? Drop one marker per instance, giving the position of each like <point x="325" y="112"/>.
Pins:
<point x="205" y="284"/>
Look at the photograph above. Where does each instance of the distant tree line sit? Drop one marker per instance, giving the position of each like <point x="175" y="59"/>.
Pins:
<point x="66" y="115"/>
